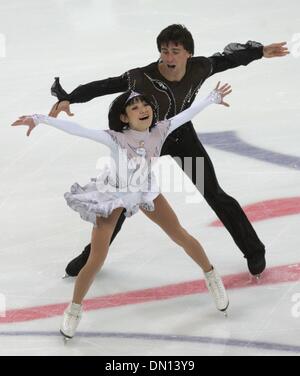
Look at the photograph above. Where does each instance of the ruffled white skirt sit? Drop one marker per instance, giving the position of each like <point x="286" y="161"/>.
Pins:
<point x="91" y="202"/>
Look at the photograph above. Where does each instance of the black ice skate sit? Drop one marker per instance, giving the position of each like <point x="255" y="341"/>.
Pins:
<point x="74" y="266"/>
<point x="256" y="264"/>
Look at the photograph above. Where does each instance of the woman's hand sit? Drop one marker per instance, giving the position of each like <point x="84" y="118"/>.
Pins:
<point x="223" y="91"/>
<point x="25" y="120"/>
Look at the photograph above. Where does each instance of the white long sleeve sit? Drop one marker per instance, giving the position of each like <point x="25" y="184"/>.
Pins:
<point x="75" y="129"/>
<point x="197" y="106"/>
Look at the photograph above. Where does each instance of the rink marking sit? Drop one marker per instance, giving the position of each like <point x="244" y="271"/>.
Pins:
<point x="274" y="275"/>
<point x="229" y="141"/>
<point x="269" y="209"/>
<point x="227" y="342"/>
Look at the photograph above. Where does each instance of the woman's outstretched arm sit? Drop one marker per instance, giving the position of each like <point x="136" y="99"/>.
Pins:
<point x="216" y="96"/>
<point x="66" y="126"/>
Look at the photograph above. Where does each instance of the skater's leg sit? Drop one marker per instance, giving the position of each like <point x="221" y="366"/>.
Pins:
<point x="164" y="216"/>
<point x="101" y="236"/>
<point x="75" y="265"/>
<point x="226" y="207"/>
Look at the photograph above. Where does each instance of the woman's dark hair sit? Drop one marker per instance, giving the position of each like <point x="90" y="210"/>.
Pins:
<point x="118" y="107"/>
<point x="177" y="34"/>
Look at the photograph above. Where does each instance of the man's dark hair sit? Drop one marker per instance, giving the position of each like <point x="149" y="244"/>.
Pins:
<point x="177" y="34"/>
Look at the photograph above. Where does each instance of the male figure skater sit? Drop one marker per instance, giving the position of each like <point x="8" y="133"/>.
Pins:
<point x="173" y="83"/>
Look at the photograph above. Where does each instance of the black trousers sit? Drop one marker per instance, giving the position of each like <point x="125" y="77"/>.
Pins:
<point x="184" y="142"/>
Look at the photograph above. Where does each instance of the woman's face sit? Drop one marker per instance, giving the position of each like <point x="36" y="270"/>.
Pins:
<point x="139" y="115"/>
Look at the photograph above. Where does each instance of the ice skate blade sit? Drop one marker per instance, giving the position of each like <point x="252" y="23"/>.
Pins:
<point x="257" y="277"/>
<point x="225" y="312"/>
<point x="65" y="338"/>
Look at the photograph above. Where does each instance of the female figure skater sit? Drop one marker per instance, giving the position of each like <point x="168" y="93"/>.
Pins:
<point x="135" y="136"/>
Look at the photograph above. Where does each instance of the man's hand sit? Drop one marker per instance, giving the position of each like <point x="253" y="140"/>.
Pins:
<point x="275" y="50"/>
<point x="59" y="107"/>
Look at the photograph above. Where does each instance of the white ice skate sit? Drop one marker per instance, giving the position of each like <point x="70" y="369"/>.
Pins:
<point x="71" y="319"/>
<point x="217" y="290"/>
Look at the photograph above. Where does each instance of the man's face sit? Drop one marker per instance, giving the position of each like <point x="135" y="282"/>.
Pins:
<point x="174" y="57"/>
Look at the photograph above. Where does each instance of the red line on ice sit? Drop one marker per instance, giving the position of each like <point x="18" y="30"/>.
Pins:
<point x="275" y="275"/>
<point x="269" y="209"/>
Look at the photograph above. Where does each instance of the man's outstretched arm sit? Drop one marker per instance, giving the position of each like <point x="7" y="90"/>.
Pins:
<point x="85" y="93"/>
<point x="236" y="54"/>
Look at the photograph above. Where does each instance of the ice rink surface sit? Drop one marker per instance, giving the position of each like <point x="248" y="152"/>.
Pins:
<point x="148" y="299"/>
